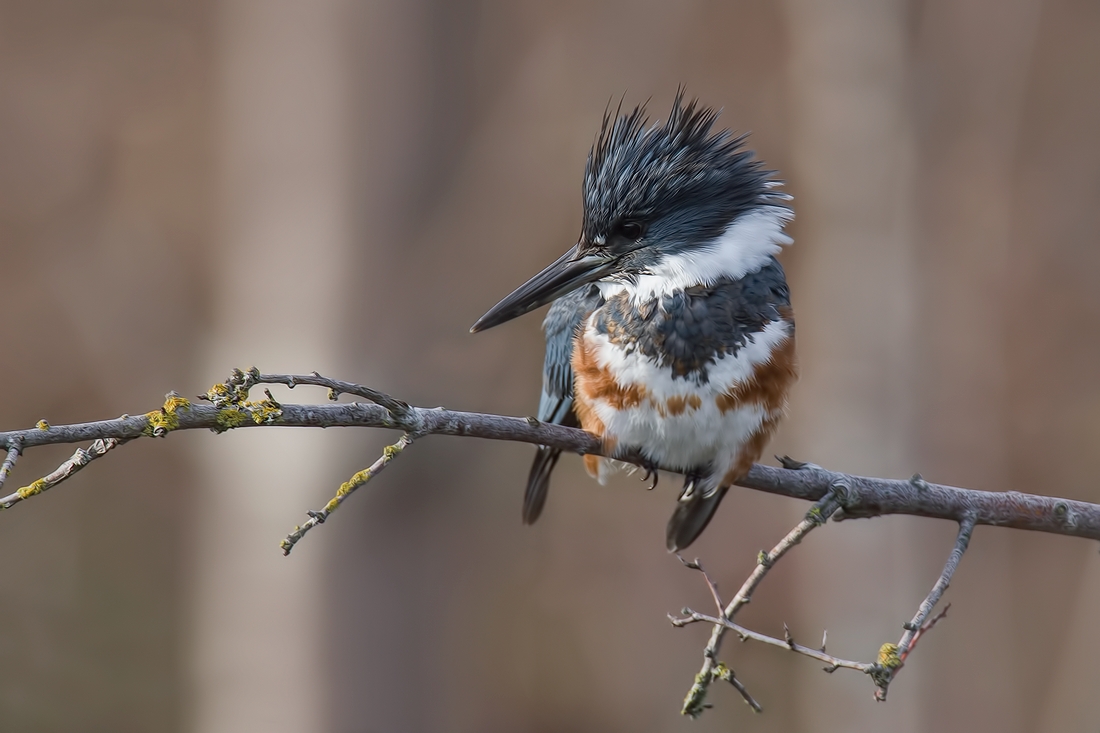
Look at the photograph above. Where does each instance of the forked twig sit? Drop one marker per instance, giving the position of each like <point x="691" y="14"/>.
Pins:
<point x="819" y="513"/>
<point x="891" y="657"/>
<point x="81" y="458"/>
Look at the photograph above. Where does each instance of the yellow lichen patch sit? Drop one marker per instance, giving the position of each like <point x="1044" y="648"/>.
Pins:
<point x="693" y="701"/>
<point x="888" y="656"/>
<point x="166" y="419"/>
<point x="356" y="481"/>
<point x="263" y="411"/>
<point x="228" y="419"/>
<point x="42" y="425"/>
<point x="234" y="390"/>
<point x="219" y="395"/>
<point x="173" y="402"/>
<point x="36" y="487"/>
<point x="161" y="423"/>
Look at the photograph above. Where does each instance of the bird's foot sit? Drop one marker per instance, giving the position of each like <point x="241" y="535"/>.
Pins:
<point x="792" y="465"/>
<point x="640" y="460"/>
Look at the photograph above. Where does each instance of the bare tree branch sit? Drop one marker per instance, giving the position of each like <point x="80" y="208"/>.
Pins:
<point x="863" y="496"/>
<point x="836" y="495"/>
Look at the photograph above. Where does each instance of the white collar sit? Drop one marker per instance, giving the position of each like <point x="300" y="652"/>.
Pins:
<point x="744" y="247"/>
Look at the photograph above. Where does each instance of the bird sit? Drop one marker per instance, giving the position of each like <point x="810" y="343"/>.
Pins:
<point x="670" y="334"/>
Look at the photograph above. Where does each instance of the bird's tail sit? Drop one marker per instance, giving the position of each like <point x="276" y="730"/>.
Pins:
<point x="693" y="513"/>
<point x="538" y="483"/>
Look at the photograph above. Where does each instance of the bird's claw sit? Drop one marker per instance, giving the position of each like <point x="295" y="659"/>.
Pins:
<point x="794" y="465"/>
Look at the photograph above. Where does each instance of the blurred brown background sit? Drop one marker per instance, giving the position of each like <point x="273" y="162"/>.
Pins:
<point x="186" y="187"/>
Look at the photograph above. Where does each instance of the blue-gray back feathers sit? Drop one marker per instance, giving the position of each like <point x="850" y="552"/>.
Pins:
<point x="563" y="320"/>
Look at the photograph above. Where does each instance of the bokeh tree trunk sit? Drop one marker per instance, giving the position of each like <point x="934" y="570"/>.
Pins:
<point x="279" y="282"/>
<point x="855" y="287"/>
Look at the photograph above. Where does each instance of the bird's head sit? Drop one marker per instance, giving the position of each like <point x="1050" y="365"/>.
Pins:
<point x="666" y="205"/>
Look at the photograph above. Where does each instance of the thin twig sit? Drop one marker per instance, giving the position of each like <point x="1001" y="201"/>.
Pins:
<point x="962" y="541"/>
<point x="696" y="564"/>
<point x="893" y="656"/>
<point x="746" y="634"/>
<point x="819" y="513"/>
<point x="398" y="408"/>
<point x="722" y="672"/>
<point x="346" y="489"/>
<point x="81" y="458"/>
<point x="14" y="451"/>
<point x="925" y="628"/>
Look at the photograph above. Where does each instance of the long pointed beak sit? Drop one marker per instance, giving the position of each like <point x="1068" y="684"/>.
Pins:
<point x="565" y="274"/>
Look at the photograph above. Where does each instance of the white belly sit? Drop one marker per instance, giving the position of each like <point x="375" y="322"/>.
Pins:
<point x="699" y="435"/>
<point x="695" y="438"/>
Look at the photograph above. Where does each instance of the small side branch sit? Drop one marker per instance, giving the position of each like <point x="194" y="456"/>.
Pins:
<point x="891" y="656"/>
<point x="962" y="541"/>
<point x="346" y="489"/>
<point x="924" y="628"/>
<point x="79" y="460"/>
<point x="695" y="700"/>
<point x="14" y="451"/>
<point x="746" y="634"/>
<point x="400" y="410"/>
<point x="722" y="672"/>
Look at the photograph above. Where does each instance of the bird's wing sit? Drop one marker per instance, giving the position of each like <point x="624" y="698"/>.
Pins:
<point x="563" y="320"/>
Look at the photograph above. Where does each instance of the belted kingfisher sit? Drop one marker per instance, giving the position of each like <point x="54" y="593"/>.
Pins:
<point x="671" y="334"/>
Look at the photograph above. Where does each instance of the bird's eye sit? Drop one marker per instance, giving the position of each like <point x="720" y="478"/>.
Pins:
<point x="631" y="230"/>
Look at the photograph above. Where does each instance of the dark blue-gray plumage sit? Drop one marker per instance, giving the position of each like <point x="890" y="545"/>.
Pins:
<point x="556" y="403"/>
<point x="692" y="328"/>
